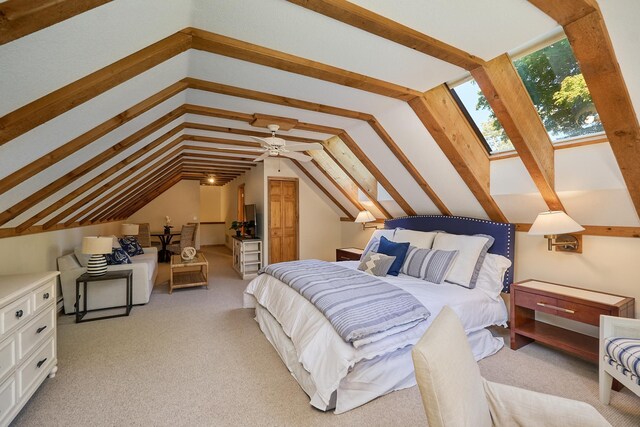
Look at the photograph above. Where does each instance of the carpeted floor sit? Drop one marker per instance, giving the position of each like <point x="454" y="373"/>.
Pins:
<point x="197" y="358"/>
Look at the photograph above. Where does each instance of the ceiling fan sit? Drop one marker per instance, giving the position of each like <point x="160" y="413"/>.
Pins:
<point x="275" y="146"/>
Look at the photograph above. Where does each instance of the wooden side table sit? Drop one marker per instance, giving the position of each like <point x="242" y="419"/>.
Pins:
<point x="348" y="254"/>
<point x="182" y="278"/>
<point x="578" y="304"/>
<point x="109" y="275"/>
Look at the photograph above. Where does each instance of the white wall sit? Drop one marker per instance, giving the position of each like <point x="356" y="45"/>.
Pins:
<point x="353" y="236"/>
<point x="211" y="211"/>
<point x="180" y="202"/>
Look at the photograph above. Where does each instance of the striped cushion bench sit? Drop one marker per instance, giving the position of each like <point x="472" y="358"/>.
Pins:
<point x="624" y="355"/>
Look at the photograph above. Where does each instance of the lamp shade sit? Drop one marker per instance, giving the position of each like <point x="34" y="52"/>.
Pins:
<point x="553" y="223"/>
<point x="96" y="245"/>
<point x="129" y="229"/>
<point x="365" y="216"/>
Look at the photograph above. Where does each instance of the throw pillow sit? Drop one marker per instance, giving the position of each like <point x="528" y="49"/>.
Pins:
<point x="117" y="256"/>
<point x="376" y="264"/>
<point x="398" y="250"/>
<point x="490" y="279"/>
<point x="374" y="241"/>
<point x="131" y="246"/>
<point x="431" y="265"/>
<point x="473" y="250"/>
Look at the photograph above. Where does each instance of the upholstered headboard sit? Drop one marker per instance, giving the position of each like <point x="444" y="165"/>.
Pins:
<point x="503" y="233"/>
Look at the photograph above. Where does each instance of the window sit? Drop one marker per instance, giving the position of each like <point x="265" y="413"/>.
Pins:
<point x="558" y="91"/>
<point x="479" y="112"/>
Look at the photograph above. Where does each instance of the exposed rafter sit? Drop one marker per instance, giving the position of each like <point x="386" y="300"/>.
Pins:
<point x="440" y="114"/>
<point x="587" y="33"/>
<point x="19" y="18"/>
<point x="364" y="19"/>
<point x="503" y="88"/>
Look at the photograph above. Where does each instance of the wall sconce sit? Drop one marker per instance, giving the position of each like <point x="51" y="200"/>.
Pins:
<point x="554" y="226"/>
<point x="364" y="217"/>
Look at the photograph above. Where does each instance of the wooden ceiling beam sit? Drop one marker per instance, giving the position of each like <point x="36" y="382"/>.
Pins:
<point x="439" y="113"/>
<point x="11" y="232"/>
<point x="234" y="131"/>
<point x="70" y="96"/>
<point x="124" y="188"/>
<point x="240" y="161"/>
<point x="152" y="192"/>
<point x="121" y="201"/>
<point x="321" y="188"/>
<point x="225" y="141"/>
<point x="19" y="18"/>
<point x="587" y="33"/>
<point x="366" y="20"/>
<point x="508" y="97"/>
<point x="238" y="49"/>
<point x="86" y="167"/>
<point x="223" y="150"/>
<point x="312" y="106"/>
<point x="103" y="176"/>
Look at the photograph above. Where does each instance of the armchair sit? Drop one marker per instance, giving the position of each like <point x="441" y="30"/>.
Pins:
<point x="454" y="394"/>
<point x="619" y="354"/>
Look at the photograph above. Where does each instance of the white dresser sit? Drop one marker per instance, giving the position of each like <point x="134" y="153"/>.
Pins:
<point x="27" y="338"/>
<point x="247" y="256"/>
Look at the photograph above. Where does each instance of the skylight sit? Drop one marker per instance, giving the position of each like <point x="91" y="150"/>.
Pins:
<point x="482" y="116"/>
<point x="558" y="90"/>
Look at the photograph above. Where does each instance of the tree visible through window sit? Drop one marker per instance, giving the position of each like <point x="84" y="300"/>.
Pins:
<point x="557" y="88"/>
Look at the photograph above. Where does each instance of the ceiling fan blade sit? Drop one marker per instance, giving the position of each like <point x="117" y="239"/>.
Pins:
<point x="296" y="156"/>
<point x="261" y="157"/>
<point x="304" y="147"/>
<point x="261" y="141"/>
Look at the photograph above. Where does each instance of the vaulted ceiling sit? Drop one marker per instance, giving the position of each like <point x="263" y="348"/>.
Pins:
<point x="106" y="104"/>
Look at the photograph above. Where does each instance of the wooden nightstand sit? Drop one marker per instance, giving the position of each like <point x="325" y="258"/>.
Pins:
<point x="348" y="254"/>
<point x="578" y="304"/>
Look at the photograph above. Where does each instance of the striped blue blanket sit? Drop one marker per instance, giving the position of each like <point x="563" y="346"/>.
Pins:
<point x="355" y="303"/>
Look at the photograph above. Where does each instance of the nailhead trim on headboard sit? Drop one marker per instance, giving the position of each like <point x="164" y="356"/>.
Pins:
<point x="508" y="279"/>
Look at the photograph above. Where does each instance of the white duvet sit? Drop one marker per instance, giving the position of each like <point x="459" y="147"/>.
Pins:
<point x="328" y="358"/>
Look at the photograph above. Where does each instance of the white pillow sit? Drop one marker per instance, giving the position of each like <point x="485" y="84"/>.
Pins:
<point x="418" y="239"/>
<point x="472" y="251"/>
<point x="374" y="241"/>
<point x="492" y="275"/>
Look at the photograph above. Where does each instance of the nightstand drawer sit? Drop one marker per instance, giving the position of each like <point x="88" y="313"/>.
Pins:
<point x="348" y="254"/>
<point x="536" y="302"/>
<point x="581" y="312"/>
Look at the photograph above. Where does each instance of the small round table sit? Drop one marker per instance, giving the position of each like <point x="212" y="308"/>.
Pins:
<point x="165" y="239"/>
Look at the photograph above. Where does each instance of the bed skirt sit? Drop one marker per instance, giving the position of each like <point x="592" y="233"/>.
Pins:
<point x="369" y="378"/>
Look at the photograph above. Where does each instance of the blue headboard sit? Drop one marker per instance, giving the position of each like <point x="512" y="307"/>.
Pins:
<point x="504" y="233"/>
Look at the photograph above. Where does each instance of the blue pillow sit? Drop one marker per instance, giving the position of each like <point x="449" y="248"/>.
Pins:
<point x="398" y="250"/>
<point x="131" y="246"/>
<point x="117" y="256"/>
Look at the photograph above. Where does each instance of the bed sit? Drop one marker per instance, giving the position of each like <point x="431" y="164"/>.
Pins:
<point x="340" y="375"/>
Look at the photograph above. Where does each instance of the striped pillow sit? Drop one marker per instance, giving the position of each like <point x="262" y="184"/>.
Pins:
<point x="431" y="265"/>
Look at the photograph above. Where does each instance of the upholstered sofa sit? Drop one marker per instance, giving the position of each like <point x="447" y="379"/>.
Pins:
<point x="108" y="293"/>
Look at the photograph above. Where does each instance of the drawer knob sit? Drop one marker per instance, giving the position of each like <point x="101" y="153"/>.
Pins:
<point x="19" y="313"/>
<point x="40" y="363"/>
<point x="45" y="296"/>
<point x="41" y="328"/>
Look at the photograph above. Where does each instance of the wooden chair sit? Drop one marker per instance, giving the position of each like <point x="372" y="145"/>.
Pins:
<point x="619" y="354"/>
<point x="455" y="394"/>
<point x="187" y="238"/>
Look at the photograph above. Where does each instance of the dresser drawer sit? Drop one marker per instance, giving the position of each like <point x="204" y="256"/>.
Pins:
<point x="37" y="365"/>
<point x="35" y="332"/>
<point x="7" y="398"/>
<point x="7" y="356"/>
<point x="44" y="295"/>
<point x="16" y="314"/>
<point x="536" y="302"/>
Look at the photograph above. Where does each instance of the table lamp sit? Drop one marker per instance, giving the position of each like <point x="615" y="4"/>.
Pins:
<point x="128" y="230"/>
<point x="364" y="217"/>
<point x="96" y="247"/>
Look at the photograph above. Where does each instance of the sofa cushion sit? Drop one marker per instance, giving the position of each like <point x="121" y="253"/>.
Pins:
<point x="83" y="259"/>
<point x="624" y="355"/>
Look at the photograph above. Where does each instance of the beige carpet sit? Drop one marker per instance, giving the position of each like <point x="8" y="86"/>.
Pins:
<point x="197" y="358"/>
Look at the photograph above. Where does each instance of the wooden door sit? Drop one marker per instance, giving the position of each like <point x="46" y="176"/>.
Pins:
<point x="283" y="220"/>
